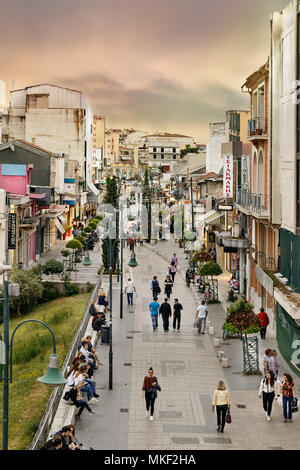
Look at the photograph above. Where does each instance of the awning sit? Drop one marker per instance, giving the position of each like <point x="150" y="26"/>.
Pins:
<point x="59" y="226"/>
<point x="93" y="188"/>
<point x="37" y="195"/>
<point x="62" y="219"/>
<point x="211" y="216"/>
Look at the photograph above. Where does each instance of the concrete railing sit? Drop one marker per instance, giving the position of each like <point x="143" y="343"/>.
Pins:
<point x="57" y="409"/>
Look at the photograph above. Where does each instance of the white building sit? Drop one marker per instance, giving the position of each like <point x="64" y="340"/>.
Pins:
<point x="58" y="119"/>
<point x="217" y="136"/>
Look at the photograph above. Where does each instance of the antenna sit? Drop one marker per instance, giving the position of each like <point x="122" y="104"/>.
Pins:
<point x="13" y="85"/>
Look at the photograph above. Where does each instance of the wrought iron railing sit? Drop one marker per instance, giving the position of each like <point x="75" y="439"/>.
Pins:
<point x="256" y="126"/>
<point x="256" y="203"/>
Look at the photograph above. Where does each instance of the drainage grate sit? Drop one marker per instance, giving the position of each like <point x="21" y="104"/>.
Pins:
<point x="127" y="364"/>
<point x="237" y="373"/>
<point x="135" y="331"/>
<point x="129" y="337"/>
<point x="124" y="410"/>
<point x="241" y="406"/>
<point x="276" y="448"/>
<point x="185" y="440"/>
<point x="213" y="440"/>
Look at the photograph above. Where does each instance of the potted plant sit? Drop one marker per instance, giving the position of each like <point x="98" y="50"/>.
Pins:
<point x="68" y="230"/>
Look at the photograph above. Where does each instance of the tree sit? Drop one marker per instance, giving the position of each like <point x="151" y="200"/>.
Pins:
<point x="242" y="320"/>
<point x="210" y="269"/>
<point x="31" y="290"/>
<point x="202" y="256"/>
<point x="188" y="149"/>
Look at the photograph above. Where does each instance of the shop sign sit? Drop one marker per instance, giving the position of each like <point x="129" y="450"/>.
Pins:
<point x="228" y="176"/>
<point x="12" y="231"/>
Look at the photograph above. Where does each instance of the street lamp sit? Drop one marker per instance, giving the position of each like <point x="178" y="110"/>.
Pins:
<point x="52" y="376"/>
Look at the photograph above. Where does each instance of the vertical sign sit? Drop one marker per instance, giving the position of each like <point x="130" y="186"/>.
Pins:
<point x="228" y="176"/>
<point x="12" y="227"/>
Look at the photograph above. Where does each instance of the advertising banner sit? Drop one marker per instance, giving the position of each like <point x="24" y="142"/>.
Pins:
<point x="228" y="176"/>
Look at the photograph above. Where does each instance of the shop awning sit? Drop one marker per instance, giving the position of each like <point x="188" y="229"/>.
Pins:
<point x="62" y="219"/>
<point x="93" y="188"/>
<point x="59" y="226"/>
<point x="211" y="216"/>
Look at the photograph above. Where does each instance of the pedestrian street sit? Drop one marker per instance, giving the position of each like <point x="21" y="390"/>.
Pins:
<point x="188" y="370"/>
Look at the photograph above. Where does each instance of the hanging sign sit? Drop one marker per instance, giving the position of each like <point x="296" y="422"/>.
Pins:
<point x="228" y="176"/>
<point x="12" y="231"/>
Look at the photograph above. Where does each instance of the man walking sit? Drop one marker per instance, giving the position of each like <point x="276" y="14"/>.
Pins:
<point x="264" y="321"/>
<point x="177" y="315"/>
<point x="166" y="312"/>
<point x="201" y="316"/>
<point x="153" y="307"/>
<point x="129" y="290"/>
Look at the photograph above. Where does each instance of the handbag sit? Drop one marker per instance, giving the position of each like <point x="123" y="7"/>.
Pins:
<point x="66" y="396"/>
<point x="295" y="405"/>
<point x="228" y="417"/>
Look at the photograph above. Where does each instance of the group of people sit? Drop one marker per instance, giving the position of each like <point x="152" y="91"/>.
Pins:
<point x="97" y="311"/>
<point x="271" y="389"/>
<point x="64" y="439"/>
<point x="80" y="377"/>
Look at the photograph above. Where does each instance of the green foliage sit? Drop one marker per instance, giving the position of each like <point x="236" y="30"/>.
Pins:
<point x="50" y="292"/>
<point x="74" y="244"/>
<point x="201" y="256"/>
<point x="71" y="289"/>
<point x="99" y="217"/>
<point x="92" y="225"/>
<point x="242" y="318"/>
<point x="38" y="270"/>
<point x="60" y="316"/>
<point x="31" y="290"/>
<point x="52" y="266"/>
<point x="88" y="229"/>
<point x="80" y="238"/>
<point x="210" y="269"/>
<point x="231" y="296"/>
<point x="65" y="253"/>
<point x="188" y="149"/>
<point x="89" y="287"/>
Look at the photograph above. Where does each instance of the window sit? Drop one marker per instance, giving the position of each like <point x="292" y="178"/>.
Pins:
<point x="162" y="150"/>
<point x="154" y="156"/>
<point x="174" y="150"/>
<point x="154" y="149"/>
<point x="162" y="157"/>
<point x="174" y="157"/>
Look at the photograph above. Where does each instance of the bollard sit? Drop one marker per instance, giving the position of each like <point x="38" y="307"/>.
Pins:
<point x="224" y="361"/>
<point x="216" y="342"/>
<point x="211" y="330"/>
<point x="221" y="355"/>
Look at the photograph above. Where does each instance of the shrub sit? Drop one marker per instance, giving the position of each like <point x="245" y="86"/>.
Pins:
<point x="65" y="253"/>
<point x="80" y="238"/>
<point x="74" y="244"/>
<point x="71" y="289"/>
<point x="242" y="319"/>
<point x="89" y="287"/>
<point x="201" y="256"/>
<point x="210" y="269"/>
<point x="52" y="266"/>
<point x="50" y="292"/>
<point x="60" y="316"/>
<point x="88" y="229"/>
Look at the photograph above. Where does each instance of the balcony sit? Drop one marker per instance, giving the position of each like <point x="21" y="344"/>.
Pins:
<point x="257" y="129"/>
<point x="253" y="204"/>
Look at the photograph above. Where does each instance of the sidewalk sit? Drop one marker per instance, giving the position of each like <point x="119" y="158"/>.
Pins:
<point x="188" y="370"/>
<point x="83" y="274"/>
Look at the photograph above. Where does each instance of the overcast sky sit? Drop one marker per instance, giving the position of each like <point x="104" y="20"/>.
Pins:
<point x="172" y="65"/>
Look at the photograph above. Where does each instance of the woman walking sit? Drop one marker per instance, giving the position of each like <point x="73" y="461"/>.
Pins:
<point x="155" y="287"/>
<point x="172" y="270"/>
<point x="222" y="403"/>
<point x="149" y="392"/>
<point x="168" y="286"/>
<point x="266" y="360"/>
<point x="287" y="390"/>
<point x="268" y="390"/>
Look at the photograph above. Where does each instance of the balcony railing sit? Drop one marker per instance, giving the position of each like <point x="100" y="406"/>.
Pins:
<point x="257" y="127"/>
<point x="257" y="204"/>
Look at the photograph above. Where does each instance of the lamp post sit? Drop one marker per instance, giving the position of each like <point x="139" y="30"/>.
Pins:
<point x="52" y="376"/>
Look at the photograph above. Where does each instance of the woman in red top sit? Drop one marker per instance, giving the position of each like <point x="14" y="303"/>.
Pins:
<point x="288" y="393"/>
<point x="264" y="321"/>
<point x="149" y="381"/>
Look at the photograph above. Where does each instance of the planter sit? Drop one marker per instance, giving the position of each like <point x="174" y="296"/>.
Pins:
<point x="69" y="232"/>
<point x="64" y="235"/>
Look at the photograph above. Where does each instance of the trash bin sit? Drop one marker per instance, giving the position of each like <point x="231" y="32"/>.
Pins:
<point x="105" y="334"/>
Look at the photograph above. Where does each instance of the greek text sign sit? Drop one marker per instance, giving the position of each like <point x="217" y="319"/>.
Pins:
<point x="12" y="227"/>
<point x="228" y="176"/>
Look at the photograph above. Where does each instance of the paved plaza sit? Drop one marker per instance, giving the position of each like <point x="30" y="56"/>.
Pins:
<point x="187" y="368"/>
